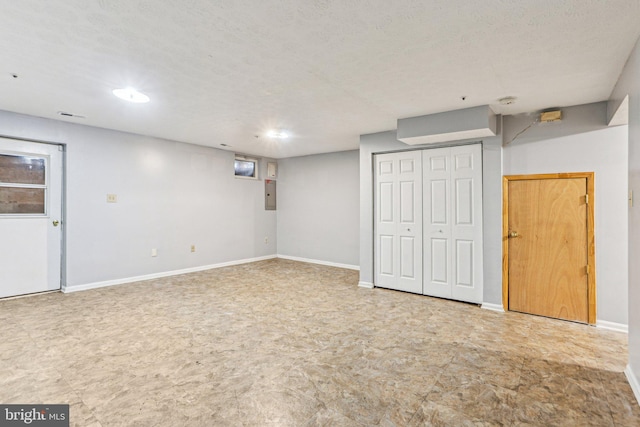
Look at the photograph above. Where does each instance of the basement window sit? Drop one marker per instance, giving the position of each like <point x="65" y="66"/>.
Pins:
<point x="245" y="167"/>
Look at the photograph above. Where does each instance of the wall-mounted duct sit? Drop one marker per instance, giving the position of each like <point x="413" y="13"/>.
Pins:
<point x="475" y="122"/>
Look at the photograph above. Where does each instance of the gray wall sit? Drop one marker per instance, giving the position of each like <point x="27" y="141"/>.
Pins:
<point x="491" y="209"/>
<point x="170" y="196"/>
<point x="582" y="142"/>
<point x="629" y="84"/>
<point x="318" y="199"/>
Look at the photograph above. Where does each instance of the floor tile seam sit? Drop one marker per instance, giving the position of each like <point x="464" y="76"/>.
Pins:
<point x="510" y="419"/>
<point x="311" y="418"/>
<point x="326" y="404"/>
<point x="90" y="408"/>
<point x="465" y="342"/>
<point x="604" y="391"/>
<point x="26" y="331"/>
<point x="555" y="405"/>
<point x="321" y="403"/>
<point x="361" y="424"/>
<point x="426" y="396"/>
<point x="517" y="390"/>
<point x="42" y="351"/>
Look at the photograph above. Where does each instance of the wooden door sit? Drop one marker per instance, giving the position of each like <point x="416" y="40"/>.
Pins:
<point x="398" y="245"/>
<point x="549" y="246"/>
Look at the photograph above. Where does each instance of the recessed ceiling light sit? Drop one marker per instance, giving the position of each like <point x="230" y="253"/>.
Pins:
<point x="279" y="134"/>
<point x="131" y="95"/>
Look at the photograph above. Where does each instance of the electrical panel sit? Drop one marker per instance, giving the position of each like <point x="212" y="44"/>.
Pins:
<point x="270" y="194"/>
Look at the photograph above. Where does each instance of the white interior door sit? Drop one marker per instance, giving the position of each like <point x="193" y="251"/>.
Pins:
<point x="453" y="222"/>
<point x="398" y="234"/>
<point x="466" y="189"/>
<point x="437" y="222"/>
<point x="30" y="217"/>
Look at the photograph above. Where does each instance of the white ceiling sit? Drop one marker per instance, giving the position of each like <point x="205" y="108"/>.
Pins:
<point x="225" y="71"/>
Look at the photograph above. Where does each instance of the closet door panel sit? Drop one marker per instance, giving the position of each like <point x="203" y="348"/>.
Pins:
<point x="466" y="230"/>
<point x="398" y="225"/>
<point x="437" y="222"/>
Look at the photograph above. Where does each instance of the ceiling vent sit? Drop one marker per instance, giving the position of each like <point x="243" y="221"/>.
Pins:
<point x="469" y="123"/>
<point x="65" y="114"/>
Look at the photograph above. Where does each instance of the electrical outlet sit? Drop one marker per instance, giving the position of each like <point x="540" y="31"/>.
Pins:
<point x="154" y="252"/>
<point x="112" y="198"/>
<point x="193" y="248"/>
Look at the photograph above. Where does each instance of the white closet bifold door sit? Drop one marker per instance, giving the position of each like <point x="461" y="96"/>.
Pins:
<point x="398" y="222"/>
<point x="452" y="210"/>
<point x="428" y="224"/>
<point x="437" y="222"/>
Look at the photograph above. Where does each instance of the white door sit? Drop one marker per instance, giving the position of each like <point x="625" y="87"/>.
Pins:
<point x="398" y="222"/>
<point x="437" y="222"/>
<point x="453" y="222"/>
<point x="30" y="217"/>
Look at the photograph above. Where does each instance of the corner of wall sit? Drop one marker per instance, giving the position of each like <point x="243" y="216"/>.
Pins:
<point x="633" y="382"/>
<point x="612" y="326"/>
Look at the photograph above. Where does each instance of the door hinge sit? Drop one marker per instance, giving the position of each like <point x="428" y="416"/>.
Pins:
<point x="586" y="270"/>
<point x="586" y="199"/>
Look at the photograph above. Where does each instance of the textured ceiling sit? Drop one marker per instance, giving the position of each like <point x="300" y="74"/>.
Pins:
<point x="225" y="71"/>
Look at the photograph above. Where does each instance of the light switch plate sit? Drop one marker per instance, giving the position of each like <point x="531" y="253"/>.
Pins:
<point x="112" y="198"/>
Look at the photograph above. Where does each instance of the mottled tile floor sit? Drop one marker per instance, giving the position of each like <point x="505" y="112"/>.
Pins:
<point x="283" y="343"/>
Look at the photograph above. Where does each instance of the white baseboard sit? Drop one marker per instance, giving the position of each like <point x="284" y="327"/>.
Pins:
<point x="633" y="382"/>
<point x="612" y="326"/>
<point x="95" y="285"/>
<point x="492" y="307"/>
<point x="317" y="261"/>
<point x="29" y="295"/>
<point x="365" y="285"/>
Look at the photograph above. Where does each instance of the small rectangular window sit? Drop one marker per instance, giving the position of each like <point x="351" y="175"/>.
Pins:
<point x="21" y="200"/>
<point x="22" y="185"/>
<point x="21" y="169"/>
<point x="246" y="167"/>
